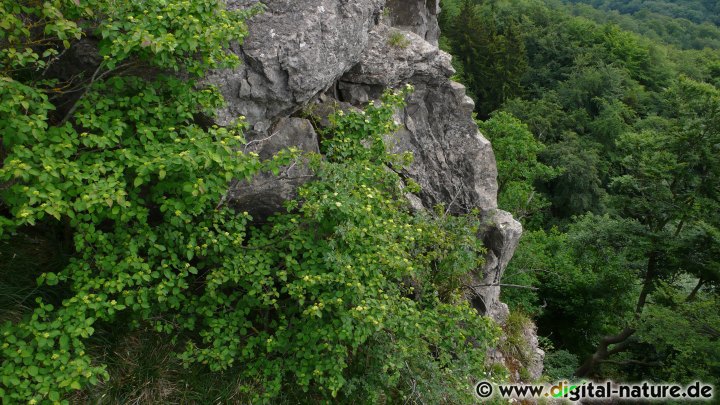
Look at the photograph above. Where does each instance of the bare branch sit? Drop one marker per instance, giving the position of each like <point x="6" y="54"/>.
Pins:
<point x="247" y="145"/>
<point x="74" y="107"/>
<point x="97" y="75"/>
<point x="452" y="201"/>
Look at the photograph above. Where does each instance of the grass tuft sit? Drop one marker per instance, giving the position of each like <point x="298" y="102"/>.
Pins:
<point x="398" y="40"/>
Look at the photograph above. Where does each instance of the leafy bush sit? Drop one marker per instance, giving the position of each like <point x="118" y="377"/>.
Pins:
<point x="127" y="168"/>
<point x="302" y="302"/>
<point x="560" y="365"/>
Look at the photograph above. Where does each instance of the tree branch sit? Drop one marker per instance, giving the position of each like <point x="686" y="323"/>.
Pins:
<point x="628" y="362"/>
<point x="74" y="107"/>
<point x="709" y="330"/>
<point x="693" y="293"/>
<point x="95" y="77"/>
<point x="602" y="352"/>
<point x="504" y="285"/>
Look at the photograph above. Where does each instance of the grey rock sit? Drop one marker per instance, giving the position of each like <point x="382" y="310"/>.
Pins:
<point x="501" y="237"/>
<point x="419" y="17"/>
<point x="295" y="50"/>
<point x="454" y="164"/>
<point x="359" y="93"/>
<point x="386" y="64"/>
<point x="324" y="106"/>
<point x="289" y="132"/>
<point x="414" y="202"/>
<point x="535" y="368"/>
<point x="264" y="194"/>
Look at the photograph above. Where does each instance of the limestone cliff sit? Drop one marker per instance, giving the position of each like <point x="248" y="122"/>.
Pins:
<point x="305" y="53"/>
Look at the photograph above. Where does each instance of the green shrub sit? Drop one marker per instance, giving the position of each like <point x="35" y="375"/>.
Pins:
<point x="560" y="365"/>
<point x="125" y="168"/>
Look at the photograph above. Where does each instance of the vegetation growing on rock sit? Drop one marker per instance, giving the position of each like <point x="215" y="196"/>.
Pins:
<point x="346" y="294"/>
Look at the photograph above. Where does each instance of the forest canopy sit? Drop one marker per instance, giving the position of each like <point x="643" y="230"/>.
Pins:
<point x="605" y="118"/>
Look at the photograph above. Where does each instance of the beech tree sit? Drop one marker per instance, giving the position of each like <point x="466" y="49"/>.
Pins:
<point x="669" y="184"/>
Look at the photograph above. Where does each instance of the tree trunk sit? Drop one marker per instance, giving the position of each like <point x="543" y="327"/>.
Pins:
<point x="695" y="290"/>
<point x="602" y="352"/>
<point x="621" y="339"/>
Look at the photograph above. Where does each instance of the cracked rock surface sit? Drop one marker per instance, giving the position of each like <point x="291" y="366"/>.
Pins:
<point x="295" y="50"/>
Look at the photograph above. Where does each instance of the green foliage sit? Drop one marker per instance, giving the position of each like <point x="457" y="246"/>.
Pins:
<point x="560" y="365"/>
<point x="345" y="282"/>
<point x="631" y="127"/>
<point x="398" y="40"/>
<point x="400" y="368"/>
<point x="573" y="278"/>
<point x="312" y="291"/>
<point x="127" y="168"/>
<point x="677" y="31"/>
<point x="683" y="333"/>
<point x="516" y="151"/>
<point x="359" y="135"/>
<point x="536" y="254"/>
<point x="674" y="161"/>
<point x="489" y="48"/>
<point x="582" y="85"/>
<point x="579" y="189"/>
<point x="686" y="24"/>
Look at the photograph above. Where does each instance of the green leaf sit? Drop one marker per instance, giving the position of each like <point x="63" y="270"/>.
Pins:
<point x="32" y="371"/>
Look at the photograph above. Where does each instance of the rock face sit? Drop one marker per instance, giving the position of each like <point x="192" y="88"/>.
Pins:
<point x="346" y="52"/>
<point x="419" y="17"/>
<point x="295" y="50"/>
<point x="454" y="164"/>
<point x="500" y="237"/>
